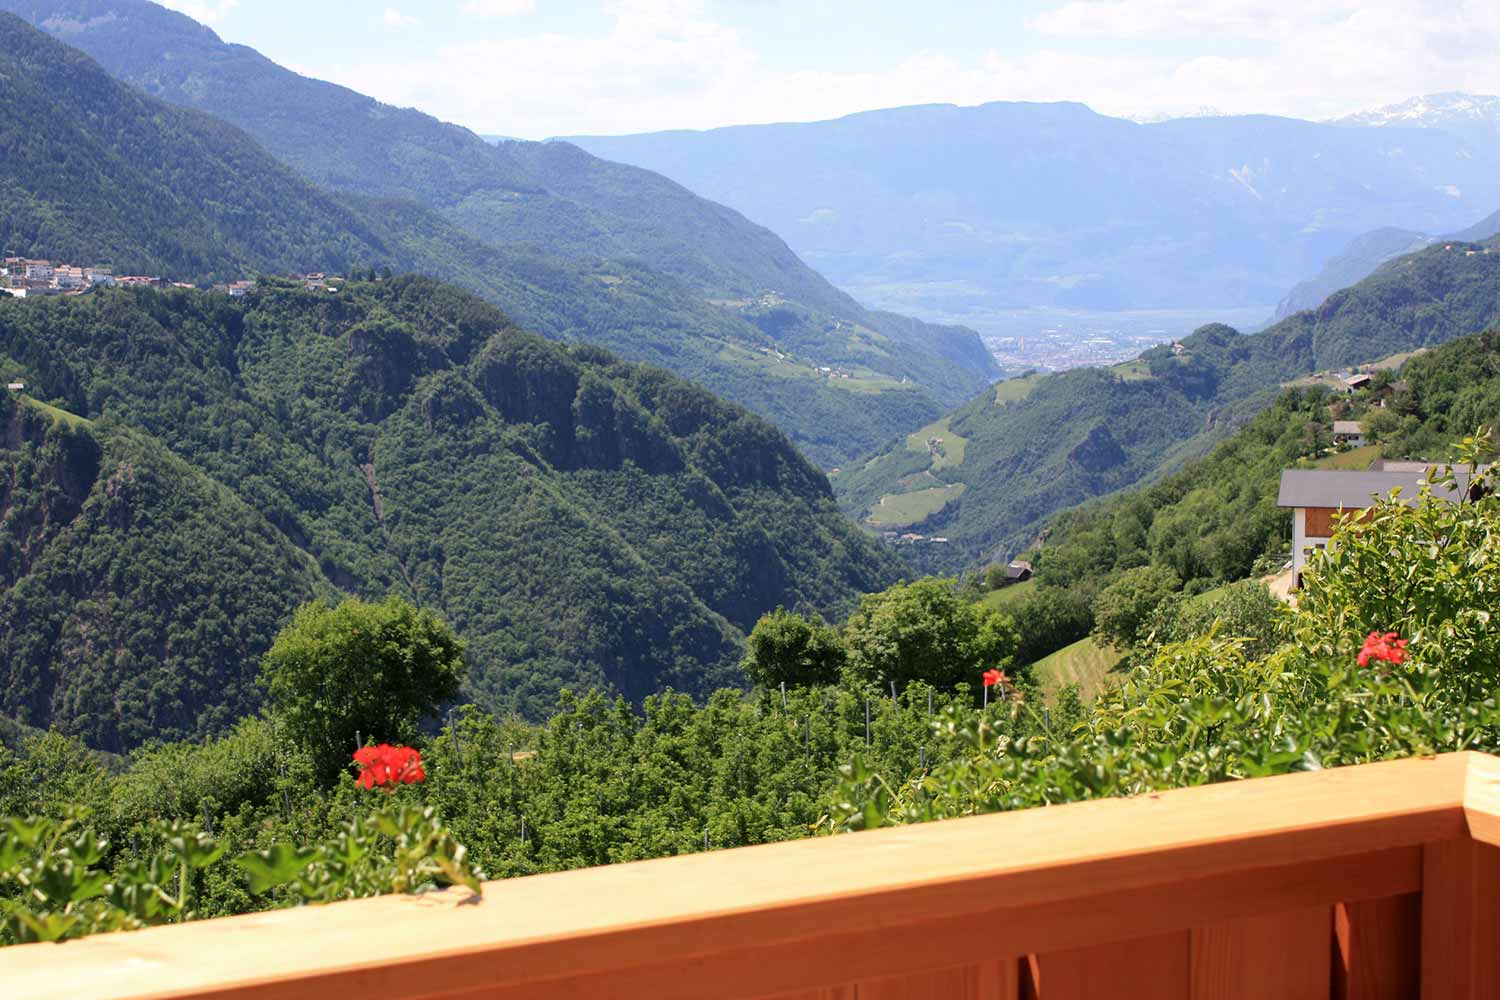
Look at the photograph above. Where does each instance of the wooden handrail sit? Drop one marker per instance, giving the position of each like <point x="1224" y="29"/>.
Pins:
<point x="987" y="905"/>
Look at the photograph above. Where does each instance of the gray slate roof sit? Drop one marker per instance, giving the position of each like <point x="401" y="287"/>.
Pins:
<point x="1353" y="490"/>
<point x="1348" y="427"/>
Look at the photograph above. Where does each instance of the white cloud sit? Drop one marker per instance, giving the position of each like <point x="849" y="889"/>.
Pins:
<point x="393" y="18"/>
<point x="1174" y="18"/>
<point x="659" y="64"/>
<point x="499" y="8"/>
<point x="207" y="11"/>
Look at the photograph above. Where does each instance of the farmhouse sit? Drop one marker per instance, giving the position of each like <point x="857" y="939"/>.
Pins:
<point x="1318" y="497"/>
<point x="1348" y="434"/>
<point x="1017" y="571"/>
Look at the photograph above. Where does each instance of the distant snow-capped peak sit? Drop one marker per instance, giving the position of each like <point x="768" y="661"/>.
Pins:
<point x="1432" y="110"/>
<point x="1153" y="117"/>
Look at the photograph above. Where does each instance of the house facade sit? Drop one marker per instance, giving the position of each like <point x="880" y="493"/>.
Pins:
<point x="1319" y="497"/>
<point x="1348" y="434"/>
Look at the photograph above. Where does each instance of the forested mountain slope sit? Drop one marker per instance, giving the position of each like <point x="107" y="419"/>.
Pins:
<point x="99" y="173"/>
<point x="135" y="593"/>
<point x="580" y="520"/>
<point x="786" y="321"/>
<point x="992" y="472"/>
<point x="1212" y="521"/>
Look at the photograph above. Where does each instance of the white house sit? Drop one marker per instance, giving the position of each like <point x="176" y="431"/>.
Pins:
<point x="68" y="277"/>
<point x="1348" y="433"/>
<point x="1318" y="497"/>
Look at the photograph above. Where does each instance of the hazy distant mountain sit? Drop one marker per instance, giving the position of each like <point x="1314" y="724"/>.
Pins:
<point x="1367" y="252"/>
<point x="746" y="317"/>
<point x="1475" y="118"/>
<point x="954" y="209"/>
<point x="1357" y="260"/>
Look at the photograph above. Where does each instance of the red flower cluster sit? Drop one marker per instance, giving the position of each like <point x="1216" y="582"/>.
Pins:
<point x="1388" y="647"/>
<point x="993" y="677"/>
<point x="386" y="765"/>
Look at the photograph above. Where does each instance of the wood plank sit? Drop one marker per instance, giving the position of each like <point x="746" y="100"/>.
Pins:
<point x="1482" y="799"/>
<point x="717" y="918"/>
<point x="1107" y="917"/>
<point x="995" y="980"/>
<point x="1153" y="968"/>
<point x="1282" y="955"/>
<point x="1461" y="921"/>
<point x="1378" y="948"/>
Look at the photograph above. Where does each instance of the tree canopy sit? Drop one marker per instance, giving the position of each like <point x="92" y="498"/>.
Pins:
<point x="339" y="674"/>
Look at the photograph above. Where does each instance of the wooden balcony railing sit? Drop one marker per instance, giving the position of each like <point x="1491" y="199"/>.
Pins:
<point x="1380" y="881"/>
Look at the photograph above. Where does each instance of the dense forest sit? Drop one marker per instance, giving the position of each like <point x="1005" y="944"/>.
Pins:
<point x="580" y="520"/>
<point x="1031" y="447"/>
<point x="573" y="247"/>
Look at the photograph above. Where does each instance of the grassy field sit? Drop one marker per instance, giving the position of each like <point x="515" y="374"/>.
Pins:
<point x="1007" y="596"/>
<point x="1132" y="371"/>
<point x="1013" y="390"/>
<point x="1392" y="363"/>
<point x="1085" y="663"/>
<point x="1356" y="458"/>
<point x="952" y="446"/>
<point x="58" y="416"/>
<point x="901" y="509"/>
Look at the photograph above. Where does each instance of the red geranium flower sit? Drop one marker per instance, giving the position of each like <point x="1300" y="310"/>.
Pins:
<point x="1389" y="647"/>
<point x="993" y="677"/>
<point x="388" y="766"/>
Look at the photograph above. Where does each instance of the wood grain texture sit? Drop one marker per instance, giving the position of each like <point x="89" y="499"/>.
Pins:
<point x="1378" y="948"/>
<point x="995" y="980"/>
<point x="1283" y="955"/>
<point x="1461" y="921"/>
<point x="1153" y="968"/>
<point x="817" y="915"/>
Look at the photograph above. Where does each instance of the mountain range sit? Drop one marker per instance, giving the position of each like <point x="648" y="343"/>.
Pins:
<point x="552" y="230"/>
<point x="184" y="467"/>
<point x="969" y="211"/>
<point x="988" y="476"/>
<point x="1474" y="118"/>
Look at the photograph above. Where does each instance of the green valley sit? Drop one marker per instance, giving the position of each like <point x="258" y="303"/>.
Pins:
<point x="1038" y="445"/>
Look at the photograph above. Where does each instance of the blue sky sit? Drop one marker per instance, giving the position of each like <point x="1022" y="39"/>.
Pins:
<point x="537" y="68"/>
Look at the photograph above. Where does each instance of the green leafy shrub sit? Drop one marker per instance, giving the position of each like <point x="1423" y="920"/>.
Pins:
<point x="338" y="672"/>
<point x="1124" y="608"/>
<point x="924" y="631"/>
<point x="1345" y="690"/>
<point x="59" y="883"/>
<point x="792" y="649"/>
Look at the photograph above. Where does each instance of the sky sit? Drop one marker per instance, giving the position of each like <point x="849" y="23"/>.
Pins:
<point x="539" y="68"/>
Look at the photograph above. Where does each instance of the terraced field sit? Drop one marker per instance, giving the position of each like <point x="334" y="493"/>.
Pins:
<point x="902" y="509"/>
<point x="1013" y="390"/>
<point x="1086" y="663"/>
<point x="945" y="447"/>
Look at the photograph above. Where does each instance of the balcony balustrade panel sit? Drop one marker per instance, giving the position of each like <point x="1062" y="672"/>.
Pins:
<point x="1368" y="883"/>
